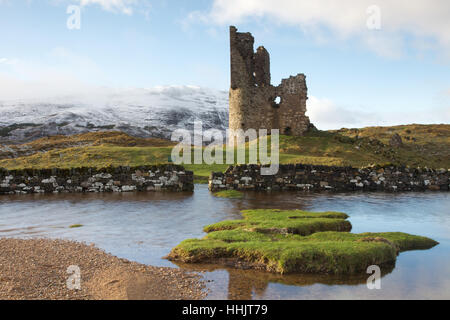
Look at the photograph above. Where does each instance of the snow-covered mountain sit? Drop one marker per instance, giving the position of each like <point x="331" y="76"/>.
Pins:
<point x="155" y="112"/>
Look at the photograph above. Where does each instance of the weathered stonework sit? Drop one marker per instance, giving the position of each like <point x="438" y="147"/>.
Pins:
<point x="83" y="180"/>
<point x="254" y="102"/>
<point x="320" y="178"/>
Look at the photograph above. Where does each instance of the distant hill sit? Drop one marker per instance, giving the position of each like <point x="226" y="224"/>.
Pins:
<point x="142" y="113"/>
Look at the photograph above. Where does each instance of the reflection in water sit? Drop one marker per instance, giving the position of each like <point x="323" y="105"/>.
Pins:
<point x="144" y="227"/>
<point x="246" y="284"/>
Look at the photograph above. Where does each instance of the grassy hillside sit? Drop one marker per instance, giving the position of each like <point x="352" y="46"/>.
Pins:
<point x="423" y="145"/>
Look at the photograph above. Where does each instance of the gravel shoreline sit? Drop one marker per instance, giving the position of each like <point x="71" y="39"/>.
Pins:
<point x="36" y="269"/>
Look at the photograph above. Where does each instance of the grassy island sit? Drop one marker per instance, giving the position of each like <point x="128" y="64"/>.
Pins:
<point x="230" y="194"/>
<point x="294" y="241"/>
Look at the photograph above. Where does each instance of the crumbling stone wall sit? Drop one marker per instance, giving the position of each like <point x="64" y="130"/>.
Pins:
<point x="320" y="178"/>
<point x="254" y="102"/>
<point x="83" y="180"/>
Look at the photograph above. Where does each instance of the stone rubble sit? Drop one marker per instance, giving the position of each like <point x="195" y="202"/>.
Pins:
<point x="111" y="179"/>
<point x="320" y="178"/>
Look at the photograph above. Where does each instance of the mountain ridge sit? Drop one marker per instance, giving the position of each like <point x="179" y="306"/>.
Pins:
<point x="155" y="112"/>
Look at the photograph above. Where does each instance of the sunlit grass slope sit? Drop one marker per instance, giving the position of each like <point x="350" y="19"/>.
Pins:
<point x="424" y="145"/>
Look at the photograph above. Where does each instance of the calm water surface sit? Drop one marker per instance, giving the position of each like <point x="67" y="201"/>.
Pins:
<point x="144" y="227"/>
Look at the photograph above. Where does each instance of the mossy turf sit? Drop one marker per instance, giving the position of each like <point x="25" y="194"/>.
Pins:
<point x="230" y="194"/>
<point x="75" y="226"/>
<point x="296" y="241"/>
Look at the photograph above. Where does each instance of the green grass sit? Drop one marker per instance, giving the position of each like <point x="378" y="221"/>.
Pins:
<point x="296" y="241"/>
<point x="424" y="145"/>
<point x="230" y="194"/>
<point x="91" y="156"/>
<point x="76" y="226"/>
<point x="282" y="222"/>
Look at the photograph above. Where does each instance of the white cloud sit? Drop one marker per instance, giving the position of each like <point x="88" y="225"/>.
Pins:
<point x="123" y="6"/>
<point x="59" y="71"/>
<point x="325" y="115"/>
<point x="8" y="61"/>
<point x="13" y="88"/>
<point x="127" y="7"/>
<point x="422" y="20"/>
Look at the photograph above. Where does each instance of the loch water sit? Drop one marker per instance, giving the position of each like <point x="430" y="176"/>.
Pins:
<point x="143" y="227"/>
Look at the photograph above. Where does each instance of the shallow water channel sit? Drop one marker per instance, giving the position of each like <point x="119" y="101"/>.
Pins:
<point x="144" y="227"/>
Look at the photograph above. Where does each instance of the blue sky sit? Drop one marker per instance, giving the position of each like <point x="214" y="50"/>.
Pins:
<point x="399" y="73"/>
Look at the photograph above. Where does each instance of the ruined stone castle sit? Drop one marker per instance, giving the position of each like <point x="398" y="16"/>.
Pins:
<point x="254" y="102"/>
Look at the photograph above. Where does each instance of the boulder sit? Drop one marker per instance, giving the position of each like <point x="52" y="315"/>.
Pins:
<point x="396" y="141"/>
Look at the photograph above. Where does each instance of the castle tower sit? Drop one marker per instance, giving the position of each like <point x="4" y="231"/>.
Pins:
<point x="254" y="102"/>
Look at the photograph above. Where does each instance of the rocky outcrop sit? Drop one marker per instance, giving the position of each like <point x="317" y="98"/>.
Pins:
<point x="396" y="141"/>
<point x="111" y="179"/>
<point x="321" y="178"/>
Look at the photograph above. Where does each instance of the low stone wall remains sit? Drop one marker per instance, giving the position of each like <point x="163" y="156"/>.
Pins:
<point x="319" y="178"/>
<point x="110" y="179"/>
